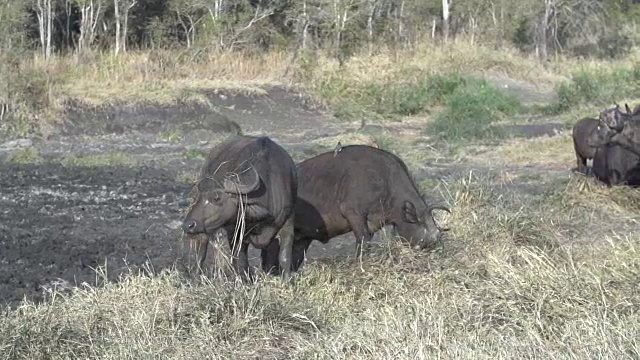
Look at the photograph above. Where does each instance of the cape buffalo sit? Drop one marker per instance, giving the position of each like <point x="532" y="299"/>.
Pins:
<point x="584" y="152"/>
<point x="251" y="179"/>
<point x="614" y="162"/>
<point x="360" y="189"/>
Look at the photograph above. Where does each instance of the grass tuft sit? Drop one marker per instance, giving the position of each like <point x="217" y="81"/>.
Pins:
<point x="28" y="155"/>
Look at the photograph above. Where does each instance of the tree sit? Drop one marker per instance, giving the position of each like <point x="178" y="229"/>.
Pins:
<point x="121" y="10"/>
<point x="188" y="14"/>
<point x="44" y="14"/>
<point x="445" y="19"/>
<point x="91" y="14"/>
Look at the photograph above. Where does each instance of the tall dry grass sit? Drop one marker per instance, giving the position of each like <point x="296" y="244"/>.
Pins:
<point x="164" y="75"/>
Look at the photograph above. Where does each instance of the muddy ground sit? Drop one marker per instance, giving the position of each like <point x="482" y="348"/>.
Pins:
<point x="111" y="184"/>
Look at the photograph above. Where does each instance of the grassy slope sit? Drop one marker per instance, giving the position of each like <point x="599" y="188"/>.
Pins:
<point x="545" y="275"/>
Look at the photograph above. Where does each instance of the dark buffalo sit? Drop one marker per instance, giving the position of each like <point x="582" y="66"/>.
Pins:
<point x="617" y="128"/>
<point x="613" y="163"/>
<point x="584" y="152"/>
<point x="360" y="188"/>
<point x="251" y="179"/>
<point x="614" y="118"/>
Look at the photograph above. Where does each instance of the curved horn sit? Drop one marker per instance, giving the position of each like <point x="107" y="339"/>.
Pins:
<point x="432" y="207"/>
<point x="231" y="186"/>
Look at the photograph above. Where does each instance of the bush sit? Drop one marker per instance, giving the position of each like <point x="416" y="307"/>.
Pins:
<point x="405" y="93"/>
<point x="471" y="109"/>
<point x="597" y="88"/>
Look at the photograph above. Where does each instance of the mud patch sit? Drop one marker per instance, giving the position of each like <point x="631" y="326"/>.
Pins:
<point x="144" y="117"/>
<point x="533" y="130"/>
<point x="59" y="223"/>
<point x="280" y="112"/>
<point x="526" y="92"/>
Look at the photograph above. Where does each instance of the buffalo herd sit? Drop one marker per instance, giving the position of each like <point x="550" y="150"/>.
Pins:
<point x="251" y="188"/>
<point x="612" y="144"/>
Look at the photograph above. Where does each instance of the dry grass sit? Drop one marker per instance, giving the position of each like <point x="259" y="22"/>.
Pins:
<point x="509" y="283"/>
<point x="460" y="55"/>
<point x="157" y="75"/>
<point x="165" y="75"/>
<point x="547" y="150"/>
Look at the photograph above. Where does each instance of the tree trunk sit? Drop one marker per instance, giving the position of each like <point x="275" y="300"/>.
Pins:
<point x="445" y="19"/>
<point x="542" y="36"/>
<point x="400" y="24"/>
<point x="44" y="14"/>
<point x="372" y="11"/>
<point x="125" y="27"/>
<point x="433" y="27"/>
<point x="116" y="12"/>
<point x="49" y="27"/>
<point x="305" y="26"/>
<point x="88" y="23"/>
<point x="121" y="14"/>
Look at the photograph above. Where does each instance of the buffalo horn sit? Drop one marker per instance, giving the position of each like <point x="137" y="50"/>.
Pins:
<point x="439" y="207"/>
<point x="231" y="186"/>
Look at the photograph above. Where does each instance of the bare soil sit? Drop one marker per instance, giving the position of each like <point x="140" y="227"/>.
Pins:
<point x="70" y="209"/>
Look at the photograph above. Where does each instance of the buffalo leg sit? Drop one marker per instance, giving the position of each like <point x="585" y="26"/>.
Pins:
<point x="359" y="228"/>
<point x="614" y="177"/>
<point x="300" y="248"/>
<point x="269" y="257"/>
<point x="589" y="165"/>
<point x="267" y="235"/>
<point x="581" y="164"/>
<point x="286" y="235"/>
<point x="241" y="261"/>
<point x="239" y="256"/>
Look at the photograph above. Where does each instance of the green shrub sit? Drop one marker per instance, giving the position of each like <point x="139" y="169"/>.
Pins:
<point x="408" y="92"/>
<point x="471" y="109"/>
<point x="602" y="87"/>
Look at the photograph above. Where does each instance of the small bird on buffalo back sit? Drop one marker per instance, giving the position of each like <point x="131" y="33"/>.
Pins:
<point x="337" y="149"/>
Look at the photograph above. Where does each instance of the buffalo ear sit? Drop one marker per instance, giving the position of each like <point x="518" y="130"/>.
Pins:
<point x="409" y="212"/>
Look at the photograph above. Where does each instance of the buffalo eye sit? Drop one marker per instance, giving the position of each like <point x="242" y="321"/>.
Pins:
<point x="215" y="197"/>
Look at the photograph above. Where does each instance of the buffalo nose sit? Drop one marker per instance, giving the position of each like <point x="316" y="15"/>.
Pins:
<point x="189" y="225"/>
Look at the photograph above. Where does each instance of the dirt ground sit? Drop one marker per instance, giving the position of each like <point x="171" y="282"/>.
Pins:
<point x="111" y="185"/>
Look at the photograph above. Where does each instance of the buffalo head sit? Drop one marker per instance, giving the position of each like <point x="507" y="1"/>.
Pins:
<point x="614" y="118"/>
<point x="215" y="205"/>
<point x="601" y="135"/>
<point x="419" y="227"/>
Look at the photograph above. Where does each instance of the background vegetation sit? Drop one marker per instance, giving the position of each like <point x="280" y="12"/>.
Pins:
<point x="346" y="51"/>
<point x="539" y="263"/>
